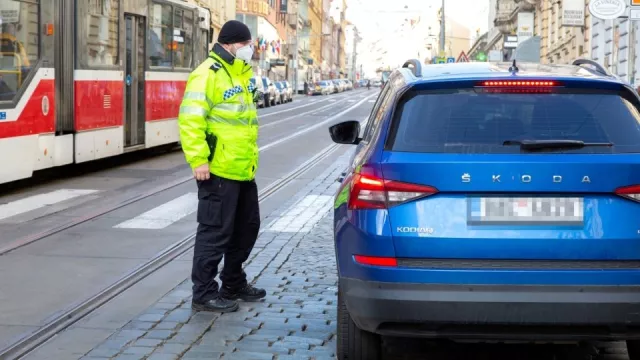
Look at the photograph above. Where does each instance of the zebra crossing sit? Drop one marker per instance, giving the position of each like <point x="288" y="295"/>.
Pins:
<point x="166" y="214"/>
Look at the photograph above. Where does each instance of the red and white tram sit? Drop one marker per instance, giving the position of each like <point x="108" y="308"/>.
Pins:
<point x="82" y="80"/>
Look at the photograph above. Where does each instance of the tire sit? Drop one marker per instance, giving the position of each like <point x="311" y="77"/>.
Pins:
<point x="267" y="103"/>
<point x="354" y="343"/>
<point x="633" y="348"/>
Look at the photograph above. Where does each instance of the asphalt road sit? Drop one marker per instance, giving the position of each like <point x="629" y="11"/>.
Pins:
<point x="48" y="275"/>
<point x="293" y="259"/>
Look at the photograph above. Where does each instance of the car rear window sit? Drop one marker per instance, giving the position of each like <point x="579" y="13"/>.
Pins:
<point x="466" y="121"/>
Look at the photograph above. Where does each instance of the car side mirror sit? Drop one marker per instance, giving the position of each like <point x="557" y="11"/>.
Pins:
<point x="347" y="132"/>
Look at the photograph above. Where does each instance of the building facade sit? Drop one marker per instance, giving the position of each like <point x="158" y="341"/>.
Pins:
<point x="315" y="35"/>
<point x="267" y="21"/>
<point x="327" y="28"/>
<point x="614" y="44"/>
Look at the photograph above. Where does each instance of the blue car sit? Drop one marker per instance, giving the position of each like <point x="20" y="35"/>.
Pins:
<point x="491" y="201"/>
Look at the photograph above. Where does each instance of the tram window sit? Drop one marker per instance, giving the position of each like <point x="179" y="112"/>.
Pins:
<point x="161" y="43"/>
<point x="98" y="32"/>
<point x="183" y="38"/>
<point x="19" y="45"/>
<point x="203" y="44"/>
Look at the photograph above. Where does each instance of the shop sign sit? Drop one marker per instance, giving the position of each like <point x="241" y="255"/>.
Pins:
<point x="573" y="13"/>
<point x="255" y="7"/>
<point x="607" y="9"/>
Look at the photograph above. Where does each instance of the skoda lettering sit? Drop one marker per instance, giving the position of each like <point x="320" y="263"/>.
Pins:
<point x="496" y="178"/>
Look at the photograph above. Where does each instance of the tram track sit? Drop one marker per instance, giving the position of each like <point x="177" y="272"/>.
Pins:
<point x="79" y="310"/>
<point x="32" y="238"/>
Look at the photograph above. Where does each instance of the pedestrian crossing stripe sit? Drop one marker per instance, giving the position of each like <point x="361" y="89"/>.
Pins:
<point x="164" y="215"/>
<point x="39" y="201"/>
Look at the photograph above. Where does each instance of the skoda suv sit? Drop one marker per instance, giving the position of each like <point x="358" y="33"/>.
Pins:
<point x="491" y="201"/>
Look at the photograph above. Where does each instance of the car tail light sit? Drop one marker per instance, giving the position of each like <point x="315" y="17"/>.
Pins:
<point x="519" y="83"/>
<point x="518" y="86"/>
<point x="631" y="192"/>
<point x="376" y="260"/>
<point x="372" y="192"/>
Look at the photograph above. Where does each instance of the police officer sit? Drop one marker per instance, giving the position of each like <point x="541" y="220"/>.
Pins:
<point x="219" y="130"/>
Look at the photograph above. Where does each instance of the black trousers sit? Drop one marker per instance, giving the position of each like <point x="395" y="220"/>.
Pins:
<point x="228" y="225"/>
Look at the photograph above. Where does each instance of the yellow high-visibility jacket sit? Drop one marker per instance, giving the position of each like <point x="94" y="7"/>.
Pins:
<point x="218" y="101"/>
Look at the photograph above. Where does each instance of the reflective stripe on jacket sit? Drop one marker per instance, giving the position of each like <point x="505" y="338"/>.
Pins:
<point x="218" y="101"/>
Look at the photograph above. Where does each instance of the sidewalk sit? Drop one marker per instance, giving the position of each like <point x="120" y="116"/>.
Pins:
<point x="293" y="260"/>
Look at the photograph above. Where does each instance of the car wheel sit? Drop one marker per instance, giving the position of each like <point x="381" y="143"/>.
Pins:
<point x="354" y="343"/>
<point x="633" y="348"/>
<point x="267" y="103"/>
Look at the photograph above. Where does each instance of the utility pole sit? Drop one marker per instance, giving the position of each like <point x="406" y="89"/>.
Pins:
<point x="442" y="28"/>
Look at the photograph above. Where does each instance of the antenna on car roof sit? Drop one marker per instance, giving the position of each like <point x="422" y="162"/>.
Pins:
<point x="514" y="67"/>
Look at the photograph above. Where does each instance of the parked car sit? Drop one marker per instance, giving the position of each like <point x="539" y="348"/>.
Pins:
<point x="260" y="86"/>
<point x="323" y="87"/>
<point x="283" y="93"/>
<point x="289" y="88"/>
<point x="491" y="201"/>
<point x="271" y="93"/>
<point x="339" y="86"/>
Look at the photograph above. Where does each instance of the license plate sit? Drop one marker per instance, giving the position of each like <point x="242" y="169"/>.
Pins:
<point x="525" y="210"/>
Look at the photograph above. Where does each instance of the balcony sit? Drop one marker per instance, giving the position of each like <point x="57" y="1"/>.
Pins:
<point x="253" y="7"/>
<point x="292" y="20"/>
<point x="526" y="5"/>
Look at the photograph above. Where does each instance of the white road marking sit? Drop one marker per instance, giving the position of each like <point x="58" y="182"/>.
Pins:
<point x="39" y="201"/>
<point x="303" y="215"/>
<point x="332" y="100"/>
<point x="289" y="109"/>
<point x="351" y="100"/>
<point x="164" y="215"/>
<point x="371" y="101"/>
<point x="172" y="211"/>
<point x="313" y="127"/>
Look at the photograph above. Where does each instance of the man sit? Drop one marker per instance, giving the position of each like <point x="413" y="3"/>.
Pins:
<point x="219" y="132"/>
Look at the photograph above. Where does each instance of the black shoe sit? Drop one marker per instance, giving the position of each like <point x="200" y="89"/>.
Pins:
<point x="247" y="293"/>
<point x="219" y="304"/>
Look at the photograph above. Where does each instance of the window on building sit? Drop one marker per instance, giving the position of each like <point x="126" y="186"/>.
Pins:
<point x="171" y="37"/>
<point x="98" y="22"/>
<point x="19" y="45"/>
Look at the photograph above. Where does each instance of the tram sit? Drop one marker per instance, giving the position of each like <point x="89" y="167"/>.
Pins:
<point x="82" y="80"/>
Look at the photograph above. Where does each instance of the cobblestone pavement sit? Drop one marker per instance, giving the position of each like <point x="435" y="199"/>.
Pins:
<point x="294" y="261"/>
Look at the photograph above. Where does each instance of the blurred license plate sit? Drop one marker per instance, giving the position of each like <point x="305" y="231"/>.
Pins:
<point x="525" y="210"/>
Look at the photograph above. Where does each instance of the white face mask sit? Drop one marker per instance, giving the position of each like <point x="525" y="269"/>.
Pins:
<point x="245" y="53"/>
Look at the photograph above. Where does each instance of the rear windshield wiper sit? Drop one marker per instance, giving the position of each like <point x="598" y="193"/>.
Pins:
<point x="552" y="144"/>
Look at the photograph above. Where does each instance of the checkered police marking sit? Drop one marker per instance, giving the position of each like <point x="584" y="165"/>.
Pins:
<point x="231" y="92"/>
<point x="251" y="87"/>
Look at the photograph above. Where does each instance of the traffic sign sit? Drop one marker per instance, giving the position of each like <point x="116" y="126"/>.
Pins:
<point x="451" y="60"/>
<point x="463" y="57"/>
<point x="634" y="12"/>
<point x="441" y="60"/>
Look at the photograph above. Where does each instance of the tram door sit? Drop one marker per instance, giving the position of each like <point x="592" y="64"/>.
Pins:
<point x="134" y="79"/>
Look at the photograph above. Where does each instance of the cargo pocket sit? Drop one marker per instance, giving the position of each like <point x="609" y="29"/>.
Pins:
<point x="210" y="212"/>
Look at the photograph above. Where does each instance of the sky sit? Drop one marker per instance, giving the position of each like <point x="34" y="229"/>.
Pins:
<point x="380" y="22"/>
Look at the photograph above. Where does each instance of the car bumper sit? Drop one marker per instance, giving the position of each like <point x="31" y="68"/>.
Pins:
<point x="494" y="312"/>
